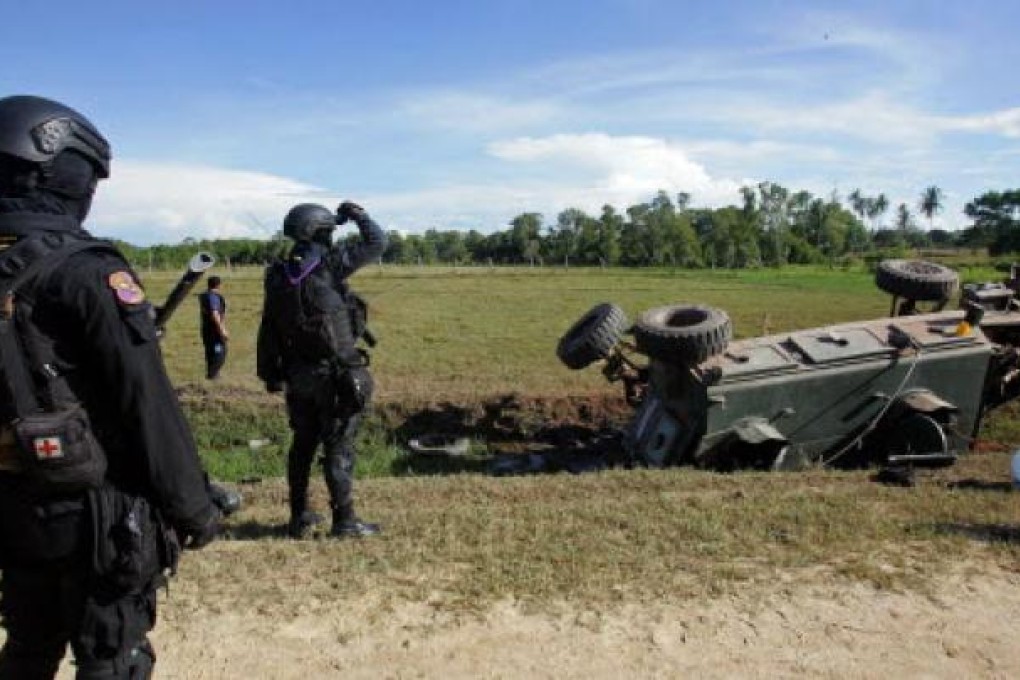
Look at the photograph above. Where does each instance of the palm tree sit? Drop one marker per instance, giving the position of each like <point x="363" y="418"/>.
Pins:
<point x="904" y="219"/>
<point x="931" y="203"/>
<point x="858" y="203"/>
<point x="876" y="207"/>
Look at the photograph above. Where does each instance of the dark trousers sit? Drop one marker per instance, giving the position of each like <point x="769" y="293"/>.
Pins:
<point x="215" y="355"/>
<point x="46" y="606"/>
<point x="317" y="417"/>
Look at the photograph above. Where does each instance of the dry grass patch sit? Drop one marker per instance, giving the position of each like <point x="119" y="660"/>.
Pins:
<point x="463" y="542"/>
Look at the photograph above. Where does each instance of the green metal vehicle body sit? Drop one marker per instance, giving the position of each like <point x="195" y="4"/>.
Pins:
<point x="906" y="390"/>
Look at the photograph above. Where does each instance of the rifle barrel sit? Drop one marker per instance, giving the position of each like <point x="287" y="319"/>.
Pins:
<point x="197" y="266"/>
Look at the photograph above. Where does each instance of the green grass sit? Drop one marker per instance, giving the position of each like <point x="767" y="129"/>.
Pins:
<point x="478" y="331"/>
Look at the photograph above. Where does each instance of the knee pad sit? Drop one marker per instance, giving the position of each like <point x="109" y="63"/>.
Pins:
<point x="354" y="390"/>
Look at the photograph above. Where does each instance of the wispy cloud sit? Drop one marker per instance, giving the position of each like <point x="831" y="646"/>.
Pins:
<point x="164" y="203"/>
<point x="1005" y="123"/>
<point x="476" y="112"/>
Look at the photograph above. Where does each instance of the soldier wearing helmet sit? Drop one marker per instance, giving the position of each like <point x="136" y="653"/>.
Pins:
<point x="308" y="345"/>
<point x="100" y="479"/>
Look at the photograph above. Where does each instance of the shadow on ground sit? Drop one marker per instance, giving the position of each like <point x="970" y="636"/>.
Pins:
<point x="513" y="435"/>
<point x="253" y="531"/>
<point x="981" y="485"/>
<point x="986" y="533"/>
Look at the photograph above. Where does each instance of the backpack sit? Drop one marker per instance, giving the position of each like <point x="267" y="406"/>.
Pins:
<point x="315" y="319"/>
<point x="47" y="439"/>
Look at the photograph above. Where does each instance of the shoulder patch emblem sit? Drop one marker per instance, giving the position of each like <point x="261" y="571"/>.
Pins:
<point x="125" y="287"/>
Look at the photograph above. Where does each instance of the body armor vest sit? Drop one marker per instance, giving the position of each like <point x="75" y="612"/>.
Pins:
<point x="312" y="313"/>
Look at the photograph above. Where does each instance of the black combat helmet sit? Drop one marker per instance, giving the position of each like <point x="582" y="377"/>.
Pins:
<point x="38" y="130"/>
<point x="304" y="220"/>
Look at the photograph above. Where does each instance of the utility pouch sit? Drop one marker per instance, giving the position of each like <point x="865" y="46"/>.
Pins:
<point x="60" y="453"/>
<point x="354" y="387"/>
<point x="133" y="547"/>
<point x="358" y="309"/>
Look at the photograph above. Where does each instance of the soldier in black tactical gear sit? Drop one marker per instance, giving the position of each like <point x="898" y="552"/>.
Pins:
<point x="311" y="324"/>
<point x="100" y="481"/>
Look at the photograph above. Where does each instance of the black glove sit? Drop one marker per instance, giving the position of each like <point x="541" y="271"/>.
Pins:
<point x="198" y="538"/>
<point x="349" y="210"/>
<point x="226" y="500"/>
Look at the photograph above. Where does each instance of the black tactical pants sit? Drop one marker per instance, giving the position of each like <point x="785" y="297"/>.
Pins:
<point x="47" y="606"/>
<point x="319" y="413"/>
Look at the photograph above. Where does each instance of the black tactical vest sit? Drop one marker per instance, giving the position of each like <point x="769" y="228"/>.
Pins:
<point x="311" y="314"/>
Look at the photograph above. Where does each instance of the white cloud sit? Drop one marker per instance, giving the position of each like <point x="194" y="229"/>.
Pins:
<point x="732" y="152"/>
<point x="148" y="202"/>
<point x="553" y="173"/>
<point x="873" y="116"/>
<point x="628" y="168"/>
<point x="1005" y="123"/>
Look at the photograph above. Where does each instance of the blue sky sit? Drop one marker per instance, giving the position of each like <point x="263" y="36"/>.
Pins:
<point x="463" y="114"/>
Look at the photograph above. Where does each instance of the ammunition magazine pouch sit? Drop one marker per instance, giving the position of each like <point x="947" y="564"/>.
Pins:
<point x="358" y="309"/>
<point x="34" y="532"/>
<point x="133" y="548"/>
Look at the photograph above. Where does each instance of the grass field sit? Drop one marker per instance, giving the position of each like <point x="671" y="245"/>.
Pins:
<point x="459" y="340"/>
<point x="473" y="332"/>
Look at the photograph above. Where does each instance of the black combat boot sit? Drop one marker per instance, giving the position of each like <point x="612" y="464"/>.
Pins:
<point x="347" y="525"/>
<point x="299" y="524"/>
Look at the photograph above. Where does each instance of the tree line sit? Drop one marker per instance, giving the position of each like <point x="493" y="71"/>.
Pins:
<point x="772" y="226"/>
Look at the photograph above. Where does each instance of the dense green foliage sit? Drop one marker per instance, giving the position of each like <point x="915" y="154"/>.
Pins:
<point x="774" y="226"/>
<point x="996" y="218"/>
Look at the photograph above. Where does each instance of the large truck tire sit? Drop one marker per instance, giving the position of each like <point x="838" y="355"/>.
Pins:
<point x="593" y="336"/>
<point x="916" y="280"/>
<point x="688" y="334"/>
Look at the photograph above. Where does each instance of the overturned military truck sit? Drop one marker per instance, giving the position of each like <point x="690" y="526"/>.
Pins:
<point x="908" y="390"/>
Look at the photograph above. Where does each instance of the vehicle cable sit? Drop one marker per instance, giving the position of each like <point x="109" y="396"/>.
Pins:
<point x="878" y="417"/>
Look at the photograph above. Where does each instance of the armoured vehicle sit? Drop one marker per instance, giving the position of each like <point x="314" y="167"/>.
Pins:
<point x="909" y="390"/>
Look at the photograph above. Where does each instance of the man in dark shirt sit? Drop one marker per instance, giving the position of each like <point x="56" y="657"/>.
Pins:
<point x="213" y="308"/>
<point x="311" y="323"/>
<point x="81" y="562"/>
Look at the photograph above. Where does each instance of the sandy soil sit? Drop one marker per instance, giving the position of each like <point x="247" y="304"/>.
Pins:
<point x="964" y="628"/>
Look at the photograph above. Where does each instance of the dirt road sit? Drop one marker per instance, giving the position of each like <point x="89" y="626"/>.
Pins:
<point x="964" y="628"/>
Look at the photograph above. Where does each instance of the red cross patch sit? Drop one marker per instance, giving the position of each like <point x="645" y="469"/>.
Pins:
<point x="47" y="448"/>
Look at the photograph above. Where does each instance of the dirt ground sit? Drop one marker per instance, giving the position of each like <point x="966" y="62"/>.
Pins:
<point x="964" y="628"/>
